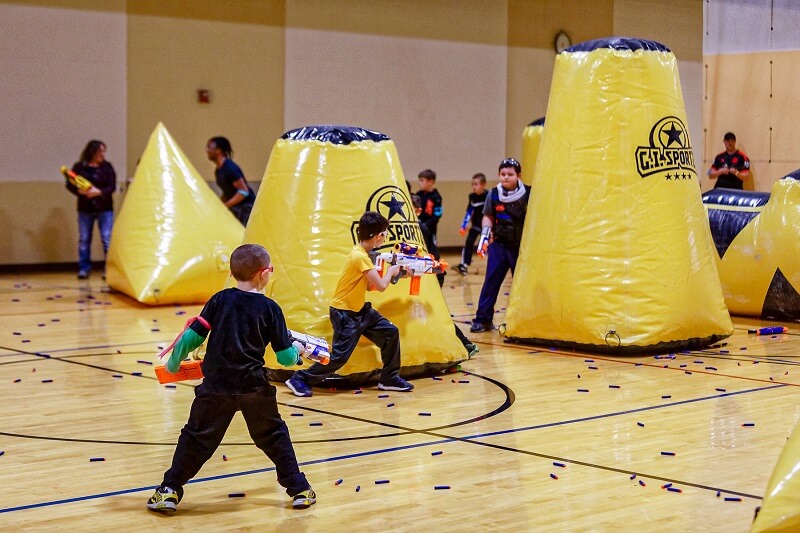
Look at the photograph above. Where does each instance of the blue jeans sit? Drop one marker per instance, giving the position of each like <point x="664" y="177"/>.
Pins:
<point x="105" y="221"/>
<point x="500" y="260"/>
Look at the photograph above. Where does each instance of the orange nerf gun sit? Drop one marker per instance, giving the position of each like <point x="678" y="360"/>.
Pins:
<point x="412" y="264"/>
<point x="78" y="181"/>
<point x="188" y="370"/>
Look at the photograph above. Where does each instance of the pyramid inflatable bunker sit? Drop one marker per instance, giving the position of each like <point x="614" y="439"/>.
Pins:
<point x="172" y="238"/>
<point x="758" y="252"/>
<point x="531" y="139"/>
<point x="616" y="254"/>
<point x="321" y="179"/>
<point x="780" y="511"/>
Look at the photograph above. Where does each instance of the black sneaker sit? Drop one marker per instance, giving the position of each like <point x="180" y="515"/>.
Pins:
<point x="304" y="500"/>
<point x="480" y="327"/>
<point x="463" y="269"/>
<point x="163" y="500"/>
<point x="83" y="275"/>
<point x="298" y="387"/>
<point x="397" y="384"/>
<point x="472" y="349"/>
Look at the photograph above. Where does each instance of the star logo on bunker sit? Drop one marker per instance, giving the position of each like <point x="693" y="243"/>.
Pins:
<point x="393" y="203"/>
<point x="668" y="149"/>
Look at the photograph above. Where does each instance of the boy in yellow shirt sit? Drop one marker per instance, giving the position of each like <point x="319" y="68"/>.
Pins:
<point x="351" y="316"/>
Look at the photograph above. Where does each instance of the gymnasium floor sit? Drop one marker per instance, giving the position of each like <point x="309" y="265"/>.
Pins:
<point x="497" y="435"/>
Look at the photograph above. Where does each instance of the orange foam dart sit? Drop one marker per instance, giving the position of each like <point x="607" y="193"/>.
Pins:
<point x="188" y="370"/>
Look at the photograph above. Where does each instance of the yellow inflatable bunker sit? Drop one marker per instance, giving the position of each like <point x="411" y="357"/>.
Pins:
<point x="616" y="254"/>
<point x="172" y="238"/>
<point x="758" y="251"/>
<point x="780" y="511"/>
<point x="318" y="183"/>
<point x="531" y="139"/>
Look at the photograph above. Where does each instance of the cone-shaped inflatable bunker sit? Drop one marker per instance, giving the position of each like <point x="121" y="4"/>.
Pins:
<point x="755" y="234"/>
<point x="531" y="139"/>
<point x="173" y="238"/>
<point x="320" y="180"/>
<point x="781" y="508"/>
<point x="616" y="253"/>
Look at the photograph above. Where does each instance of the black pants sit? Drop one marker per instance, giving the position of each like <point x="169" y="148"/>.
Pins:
<point x="469" y="245"/>
<point x="209" y="418"/>
<point x="348" y="326"/>
<point x="242" y="212"/>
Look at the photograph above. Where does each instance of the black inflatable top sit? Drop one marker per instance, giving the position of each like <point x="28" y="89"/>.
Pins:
<point x="795" y="175"/>
<point x="334" y="134"/>
<point x="618" y="43"/>
<point x="538" y="122"/>
<point x="735" y="197"/>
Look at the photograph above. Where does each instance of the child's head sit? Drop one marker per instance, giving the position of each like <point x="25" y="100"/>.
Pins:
<point x="417" y="203"/>
<point x="249" y="261"/>
<point x="371" y="226"/>
<point x="427" y="178"/>
<point x="478" y="183"/>
<point x="509" y="173"/>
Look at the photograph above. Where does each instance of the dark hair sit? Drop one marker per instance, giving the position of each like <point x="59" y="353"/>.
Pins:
<point x="247" y="260"/>
<point x="479" y="176"/>
<point x="370" y="224"/>
<point x="427" y="174"/>
<point x="729" y="136"/>
<point x="91" y="149"/>
<point x="223" y="144"/>
<point x="510" y="162"/>
<point x="416" y="202"/>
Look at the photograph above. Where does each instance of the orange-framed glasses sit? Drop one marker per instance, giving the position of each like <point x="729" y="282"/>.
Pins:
<point x="267" y="269"/>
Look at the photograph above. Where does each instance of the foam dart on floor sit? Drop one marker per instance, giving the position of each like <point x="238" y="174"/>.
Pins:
<point x="188" y="370"/>
<point x="769" y="331"/>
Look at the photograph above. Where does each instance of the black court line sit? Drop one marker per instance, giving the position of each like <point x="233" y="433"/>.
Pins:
<point x="445" y="439"/>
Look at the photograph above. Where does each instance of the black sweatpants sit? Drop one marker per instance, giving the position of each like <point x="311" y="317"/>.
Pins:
<point x="348" y="326"/>
<point x="209" y="418"/>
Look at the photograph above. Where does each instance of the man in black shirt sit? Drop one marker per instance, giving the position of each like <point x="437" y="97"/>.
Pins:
<point x="730" y="167"/>
<point x="236" y="193"/>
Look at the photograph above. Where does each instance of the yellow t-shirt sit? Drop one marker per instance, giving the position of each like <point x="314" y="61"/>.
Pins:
<point x="352" y="287"/>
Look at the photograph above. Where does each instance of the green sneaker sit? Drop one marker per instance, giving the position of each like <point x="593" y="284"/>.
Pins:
<point x="163" y="500"/>
<point x="305" y="499"/>
<point x="472" y="349"/>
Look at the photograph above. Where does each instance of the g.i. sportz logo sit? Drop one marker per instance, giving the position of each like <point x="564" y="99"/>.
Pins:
<point x="669" y="150"/>
<point x="393" y="203"/>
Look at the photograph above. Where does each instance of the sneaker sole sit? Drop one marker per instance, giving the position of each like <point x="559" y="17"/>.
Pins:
<point x="395" y="389"/>
<point x="160" y="508"/>
<point x="304" y="503"/>
<point x="296" y="392"/>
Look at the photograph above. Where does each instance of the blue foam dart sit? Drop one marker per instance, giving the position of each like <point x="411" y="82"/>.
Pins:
<point x="381" y="481"/>
<point x="2" y="452"/>
<point x="732" y="499"/>
<point x="315" y="423"/>
<point x="562" y="465"/>
<point x="668" y="453"/>
<point x="441" y="487"/>
<point x="424" y="413"/>
<point x="553" y="476"/>
<point x="358" y="488"/>
<point x="389" y="405"/>
<point x="236" y="495"/>
<point x="613" y="386"/>
<point x="96" y="459"/>
<point x="383" y="395"/>
<point x="640" y="424"/>
<point x="583" y="390"/>
<point x="297" y="414"/>
<point x="436" y="453"/>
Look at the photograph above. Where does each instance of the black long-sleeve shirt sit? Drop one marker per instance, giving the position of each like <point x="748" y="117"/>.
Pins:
<point x="104" y="178"/>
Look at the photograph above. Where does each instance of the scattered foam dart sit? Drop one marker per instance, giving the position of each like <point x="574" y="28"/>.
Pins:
<point x="758" y="252"/>
<point x="321" y="180"/>
<point x="781" y="508"/>
<point x="172" y="238"/>
<point x="531" y="139"/>
<point x="616" y="254"/>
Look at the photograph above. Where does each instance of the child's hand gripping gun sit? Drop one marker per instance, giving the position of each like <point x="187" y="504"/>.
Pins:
<point x="78" y="181"/>
<point x="314" y="348"/>
<point x="465" y="223"/>
<point x="483" y="242"/>
<point x="412" y="264"/>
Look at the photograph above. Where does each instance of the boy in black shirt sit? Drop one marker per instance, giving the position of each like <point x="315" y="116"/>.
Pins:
<point x="242" y="322"/>
<point x="472" y="220"/>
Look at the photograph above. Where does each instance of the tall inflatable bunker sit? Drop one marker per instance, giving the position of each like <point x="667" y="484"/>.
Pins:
<point x="616" y="254"/>
<point x="531" y="140"/>
<point x="318" y="183"/>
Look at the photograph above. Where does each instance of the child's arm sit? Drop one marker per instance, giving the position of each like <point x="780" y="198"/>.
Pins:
<point x="378" y="283"/>
<point x="290" y="355"/>
<point x="192" y="337"/>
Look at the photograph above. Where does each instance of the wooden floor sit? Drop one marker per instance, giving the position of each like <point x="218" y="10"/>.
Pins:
<point x="516" y="442"/>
